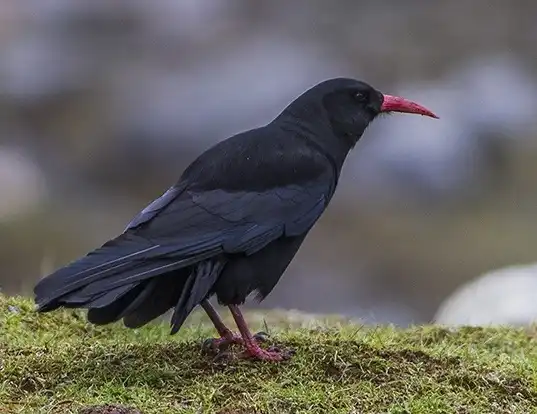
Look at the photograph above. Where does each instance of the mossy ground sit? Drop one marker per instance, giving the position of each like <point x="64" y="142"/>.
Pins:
<point x="57" y="363"/>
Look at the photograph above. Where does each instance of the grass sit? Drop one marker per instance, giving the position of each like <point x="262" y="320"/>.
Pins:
<point x="57" y="363"/>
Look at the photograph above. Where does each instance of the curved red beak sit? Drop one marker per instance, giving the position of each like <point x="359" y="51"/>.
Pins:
<point x="397" y="104"/>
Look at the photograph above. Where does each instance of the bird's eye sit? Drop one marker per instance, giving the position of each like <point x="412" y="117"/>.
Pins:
<point x="360" y="97"/>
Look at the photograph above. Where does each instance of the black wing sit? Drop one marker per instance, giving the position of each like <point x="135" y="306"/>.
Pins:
<point x="241" y="195"/>
<point x="155" y="207"/>
<point x="234" y="222"/>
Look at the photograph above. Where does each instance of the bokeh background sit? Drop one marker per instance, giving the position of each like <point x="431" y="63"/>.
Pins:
<point x="104" y="103"/>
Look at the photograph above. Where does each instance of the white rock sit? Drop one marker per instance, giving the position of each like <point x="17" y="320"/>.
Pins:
<point x="507" y="296"/>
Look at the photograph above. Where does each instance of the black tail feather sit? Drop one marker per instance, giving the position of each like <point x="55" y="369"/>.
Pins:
<point x="197" y="288"/>
<point x="113" y="258"/>
<point x="180" y="313"/>
<point x="162" y="295"/>
<point x="112" y="312"/>
<point x="132" y="279"/>
<point x="109" y="297"/>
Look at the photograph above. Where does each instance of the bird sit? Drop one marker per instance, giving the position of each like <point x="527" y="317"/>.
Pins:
<point x="232" y="223"/>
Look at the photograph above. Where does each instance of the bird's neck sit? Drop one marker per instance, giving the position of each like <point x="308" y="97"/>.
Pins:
<point x="320" y="135"/>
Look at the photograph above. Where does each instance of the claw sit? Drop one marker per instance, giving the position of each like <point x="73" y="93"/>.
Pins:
<point x="218" y="345"/>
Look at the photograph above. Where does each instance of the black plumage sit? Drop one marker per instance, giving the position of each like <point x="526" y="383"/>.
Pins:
<point x="232" y="223"/>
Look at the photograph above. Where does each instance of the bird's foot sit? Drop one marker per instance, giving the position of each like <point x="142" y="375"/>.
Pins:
<point x="273" y="354"/>
<point x="217" y="345"/>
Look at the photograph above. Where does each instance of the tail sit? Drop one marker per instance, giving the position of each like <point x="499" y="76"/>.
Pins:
<point x="132" y="279"/>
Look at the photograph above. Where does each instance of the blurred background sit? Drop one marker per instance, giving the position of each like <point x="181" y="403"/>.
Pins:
<point x="104" y="103"/>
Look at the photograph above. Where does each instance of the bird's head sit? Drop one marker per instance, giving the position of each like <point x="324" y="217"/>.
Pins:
<point x="349" y="106"/>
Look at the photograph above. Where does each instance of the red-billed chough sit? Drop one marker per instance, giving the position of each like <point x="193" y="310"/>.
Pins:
<point x="232" y="223"/>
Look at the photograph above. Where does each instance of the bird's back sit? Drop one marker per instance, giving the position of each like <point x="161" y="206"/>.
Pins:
<point x="257" y="160"/>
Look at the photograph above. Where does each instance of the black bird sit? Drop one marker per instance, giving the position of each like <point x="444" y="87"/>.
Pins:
<point x="232" y="223"/>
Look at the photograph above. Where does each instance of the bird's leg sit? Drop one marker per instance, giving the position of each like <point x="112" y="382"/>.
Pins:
<point x="227" y="337"/>
<point x="253" y="350"/>
<point x="217" y="321"/>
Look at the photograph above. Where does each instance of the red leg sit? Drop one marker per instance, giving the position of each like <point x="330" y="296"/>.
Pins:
<point x="227" y="337"/>
<point x="253" y="350"/>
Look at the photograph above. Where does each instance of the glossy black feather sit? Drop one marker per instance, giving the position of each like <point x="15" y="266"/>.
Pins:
<point x="161" y="295"/>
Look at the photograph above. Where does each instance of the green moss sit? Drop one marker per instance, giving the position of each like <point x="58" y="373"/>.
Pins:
<point x="57" y="363"/>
